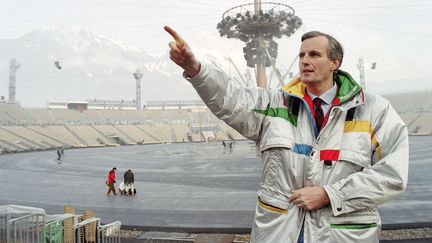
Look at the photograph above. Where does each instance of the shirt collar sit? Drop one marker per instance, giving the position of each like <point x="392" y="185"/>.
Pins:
<point x="328" y="96"/>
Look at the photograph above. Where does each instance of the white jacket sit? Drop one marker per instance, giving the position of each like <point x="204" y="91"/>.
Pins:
<point x="360" y="156"/>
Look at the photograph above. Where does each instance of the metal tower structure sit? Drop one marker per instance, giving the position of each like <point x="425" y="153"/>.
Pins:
<point x="361" y="68"/>
<point x="257" y="24"/>
<point x="138" y="76"/>
<point x="13" y="67"/>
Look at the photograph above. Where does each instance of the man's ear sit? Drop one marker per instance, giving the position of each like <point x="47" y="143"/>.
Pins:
<point x="334" y="64"/>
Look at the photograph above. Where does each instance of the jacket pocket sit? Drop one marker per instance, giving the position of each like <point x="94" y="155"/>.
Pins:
<point x="361" y="226"/>
<point x="349" y="163"/>
<point x="271" y="208"/>
<point x="365" y="233"/>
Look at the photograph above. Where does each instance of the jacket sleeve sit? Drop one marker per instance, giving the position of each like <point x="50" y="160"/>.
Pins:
<point x="387" y="175"/>
<point x="230" y="102"/>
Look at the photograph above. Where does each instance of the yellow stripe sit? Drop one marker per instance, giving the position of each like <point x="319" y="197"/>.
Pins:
<point x="357" y="126"/>
<point x="377" y="146"/>
<point x="271" y="208"/>
<point x="364" y="126"/>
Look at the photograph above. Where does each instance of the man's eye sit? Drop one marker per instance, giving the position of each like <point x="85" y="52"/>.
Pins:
<point x="315" y="54"/>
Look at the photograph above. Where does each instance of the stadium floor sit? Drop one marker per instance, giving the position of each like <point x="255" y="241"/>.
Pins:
<point x="179" y="186"/>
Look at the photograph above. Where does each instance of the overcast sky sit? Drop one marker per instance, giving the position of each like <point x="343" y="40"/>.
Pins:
<point x="394" y="33"/>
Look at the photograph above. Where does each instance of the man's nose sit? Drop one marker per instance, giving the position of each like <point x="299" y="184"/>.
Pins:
<point x="304" y="62"/>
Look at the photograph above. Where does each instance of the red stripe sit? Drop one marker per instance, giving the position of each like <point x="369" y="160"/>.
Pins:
<point x="308" y="100"/>
<point x="330" y="154"/>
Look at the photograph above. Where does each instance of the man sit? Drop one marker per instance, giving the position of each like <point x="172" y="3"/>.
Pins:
<point x="128" y="177"/>
<point x="327" y="162"/>
<point x="111" y="180"/>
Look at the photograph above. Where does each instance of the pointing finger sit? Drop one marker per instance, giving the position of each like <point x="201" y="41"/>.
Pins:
<point x="179" y="40"/>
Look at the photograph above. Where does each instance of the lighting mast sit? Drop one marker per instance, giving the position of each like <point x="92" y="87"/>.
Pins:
<point x="13" y="67"/>
<point x="257" y="24"/>
<point x="138" y="76"/>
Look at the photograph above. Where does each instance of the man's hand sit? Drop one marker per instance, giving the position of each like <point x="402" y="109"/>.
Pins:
<point x="310" y="198"/>
<point x="181" y="54"/>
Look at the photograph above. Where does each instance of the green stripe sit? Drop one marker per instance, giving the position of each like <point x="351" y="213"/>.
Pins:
<point x="279" y="112"/>
<point x="353" y="226"/>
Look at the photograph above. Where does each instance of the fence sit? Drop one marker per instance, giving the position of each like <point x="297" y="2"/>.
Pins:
<point x="19" y="224"/>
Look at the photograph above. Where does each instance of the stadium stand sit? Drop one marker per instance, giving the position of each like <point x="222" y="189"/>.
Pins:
<point x="114" y="116"/>
<point x="137" y="134"/>
<point x="66" y="116"/>
<point x="165" y="131"/>
<point x="153" y="136"/>
<point x="42" y="116"/>
<point x="424" y="123"/>
<point x="94" y="117"/>
<point x="89" y="135"/>
<point x="40" y="140"/>
<point x="27" y="129"/>
<point x="115" y="135"/>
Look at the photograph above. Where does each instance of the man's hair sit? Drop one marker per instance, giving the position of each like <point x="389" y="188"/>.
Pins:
<point x="114" y="168"/>
<point x="334" y="49"/>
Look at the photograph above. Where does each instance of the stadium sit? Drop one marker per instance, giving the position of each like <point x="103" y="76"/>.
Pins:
<point x="98" y="124"/>
<point x="93" y="134"/>
<point x="195" y="179"/>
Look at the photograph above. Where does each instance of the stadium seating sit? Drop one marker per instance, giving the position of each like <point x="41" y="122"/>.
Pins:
<point x="28" y="129"/>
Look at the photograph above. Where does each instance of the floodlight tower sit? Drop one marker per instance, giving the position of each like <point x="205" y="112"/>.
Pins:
<point x="13" y="67"/>
<point x="257" y="28"/>
<point x="138" y="76"/>
<point x="361" y="68"/>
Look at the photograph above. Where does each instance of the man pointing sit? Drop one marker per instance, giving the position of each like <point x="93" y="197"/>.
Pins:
<point x="331" y="152"/>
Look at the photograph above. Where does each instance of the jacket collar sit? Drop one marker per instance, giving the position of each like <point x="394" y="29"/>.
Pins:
<point x="347" y="88"/>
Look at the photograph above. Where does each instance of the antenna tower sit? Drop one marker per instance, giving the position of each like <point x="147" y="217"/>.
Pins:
<point x="138" y="76"/>
<point x="13" y="67"/>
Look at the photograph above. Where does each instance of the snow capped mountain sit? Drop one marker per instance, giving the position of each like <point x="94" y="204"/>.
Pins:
<point x="92" y="66"/>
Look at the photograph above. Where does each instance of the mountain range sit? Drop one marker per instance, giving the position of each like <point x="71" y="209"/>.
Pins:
<point x="91" y="66"/>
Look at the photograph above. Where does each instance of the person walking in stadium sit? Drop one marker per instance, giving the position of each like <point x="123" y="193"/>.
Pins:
<point x="111" y="180"/>
<point x="128" y="177"/>
<point x="331" y="152"/>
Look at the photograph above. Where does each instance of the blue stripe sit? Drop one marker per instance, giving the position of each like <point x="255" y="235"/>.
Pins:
<point x="302" y="149"/>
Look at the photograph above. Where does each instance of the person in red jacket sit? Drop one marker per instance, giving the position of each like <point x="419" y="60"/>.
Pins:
<point x="111" y="180"/>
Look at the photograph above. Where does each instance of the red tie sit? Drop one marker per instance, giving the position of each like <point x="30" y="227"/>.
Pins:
<point x="319" y="115"/>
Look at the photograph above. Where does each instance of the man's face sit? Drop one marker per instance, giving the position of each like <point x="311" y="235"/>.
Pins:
<point x="314" y="64"/>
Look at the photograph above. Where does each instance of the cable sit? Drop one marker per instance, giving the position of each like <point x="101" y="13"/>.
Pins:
<point x="103" y="18"/>
<point x="372" y="7"/>
<point x="367" y="27"/>
<point x="123" y="4"/>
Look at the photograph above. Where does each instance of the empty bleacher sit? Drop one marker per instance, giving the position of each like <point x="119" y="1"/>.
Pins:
<point x="38" y="139"/>
<point x="66" y="116"/>
<point x="27" y="129"/>
<point x="41" y="115"/>
<point x="14" y="114"/>
<point x="137" y="134"/>
<point x="89" y="135"/>
<point x="114" y="116"/>
<point x="64" y="134"/>
<point x="94" y="117"/>
<point x="424" y="124"/>
<point x="181" y="131"/>
<point x="154" y="136"/>
<point x="115" y="135"/>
